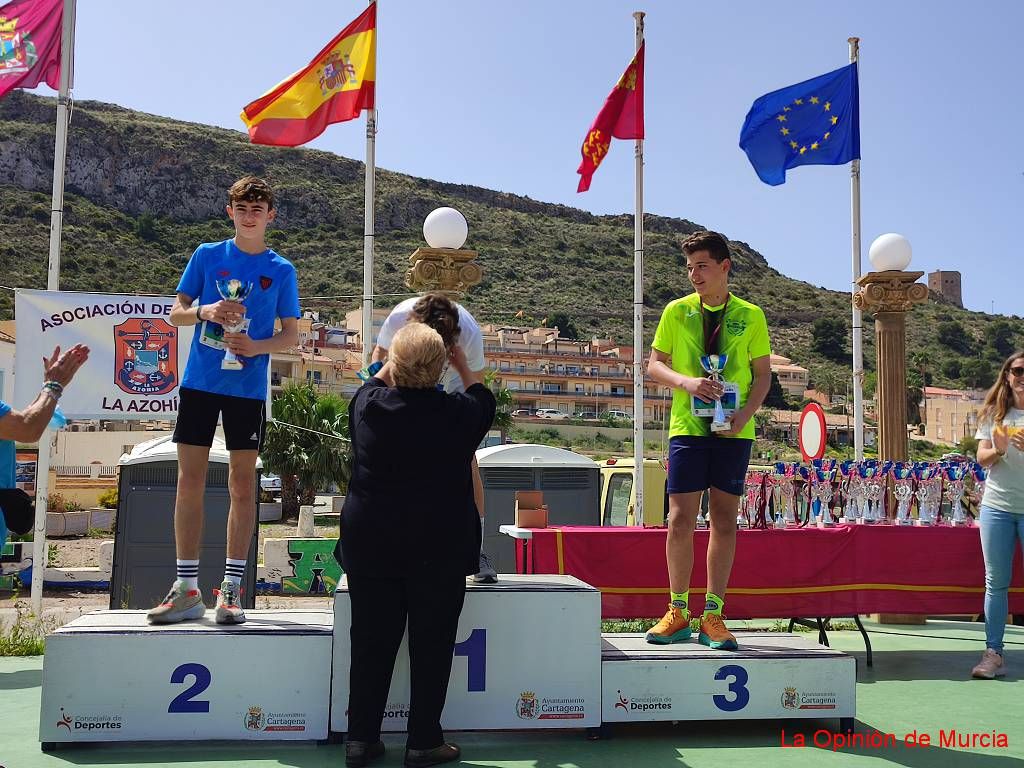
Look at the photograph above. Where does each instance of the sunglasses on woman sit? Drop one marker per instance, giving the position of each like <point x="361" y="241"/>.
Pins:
<point x="1017" y="371"/>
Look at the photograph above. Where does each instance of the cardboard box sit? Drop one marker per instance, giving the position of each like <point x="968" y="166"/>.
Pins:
<point x="531" y="511"/>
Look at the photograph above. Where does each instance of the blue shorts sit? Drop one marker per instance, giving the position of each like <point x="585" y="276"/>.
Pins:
<point x="698" y="463"/>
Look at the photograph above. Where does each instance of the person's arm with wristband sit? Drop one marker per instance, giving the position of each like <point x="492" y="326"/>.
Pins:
<point x="28" y="424"/>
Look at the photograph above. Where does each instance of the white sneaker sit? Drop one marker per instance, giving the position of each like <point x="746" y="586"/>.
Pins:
<point x="180" y="605"/>
<point x="486" y="574"/>
<point x="228" y="609"/>
<point x="990" y="667"/>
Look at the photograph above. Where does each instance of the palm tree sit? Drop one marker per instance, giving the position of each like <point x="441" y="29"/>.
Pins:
<point x="307" y="444"/>
<point x="505" y="401"/>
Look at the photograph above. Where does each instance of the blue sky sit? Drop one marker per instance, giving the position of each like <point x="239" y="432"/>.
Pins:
<point x="500" y="94"/>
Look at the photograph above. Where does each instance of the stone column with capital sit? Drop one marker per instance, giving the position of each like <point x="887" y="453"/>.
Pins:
<point x="888" y="296"/>
<point x="447" y="270"/>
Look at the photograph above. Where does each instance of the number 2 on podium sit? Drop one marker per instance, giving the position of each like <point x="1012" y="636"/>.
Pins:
<point x="184" y="701"/>
<point x="474" y="648"/>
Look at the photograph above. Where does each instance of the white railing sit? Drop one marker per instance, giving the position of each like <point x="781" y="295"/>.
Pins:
<point x="85" y="470"/>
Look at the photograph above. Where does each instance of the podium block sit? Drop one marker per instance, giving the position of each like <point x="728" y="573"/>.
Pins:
<point x="527" y="655"/>
<point x="770" y="676"/>
<point x="110" y="676"/>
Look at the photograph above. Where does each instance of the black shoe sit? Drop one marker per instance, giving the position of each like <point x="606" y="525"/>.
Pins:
<point x="360" y="753"/>
<point x="421" y="758"/>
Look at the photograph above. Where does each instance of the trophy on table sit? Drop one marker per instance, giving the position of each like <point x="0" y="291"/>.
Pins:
<point x="784" y="481"/>
<point x="822" y="475"/>
<point x="977" y="493"/>
<point x="725" y="405"/>
<point x="874" y="481"/>
<point x="853" y="491"/>
<point x="231" y="289"/>
<point x="956" y="473"/>
<point x="903" y="490"/>
<point x="751" y="504"/>
<point x="929" y="494"/>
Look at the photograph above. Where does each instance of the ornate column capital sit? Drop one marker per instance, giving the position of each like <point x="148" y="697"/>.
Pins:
<point x="890" y="291"/>
<point x="447" y="270"/>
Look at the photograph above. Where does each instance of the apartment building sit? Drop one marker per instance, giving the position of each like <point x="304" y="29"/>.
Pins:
<point x="951" y="414"/>
<point x="543" y="370"/>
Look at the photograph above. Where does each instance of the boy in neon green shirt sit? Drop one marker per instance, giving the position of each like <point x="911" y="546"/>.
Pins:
<point x="709" y="321"/>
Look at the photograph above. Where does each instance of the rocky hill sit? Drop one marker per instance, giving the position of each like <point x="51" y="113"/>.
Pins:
<point x="142" y="191"/>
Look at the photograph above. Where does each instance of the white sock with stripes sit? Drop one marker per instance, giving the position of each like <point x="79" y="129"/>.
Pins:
<point x="234" y="570"/>
<point x="188" y="572"/>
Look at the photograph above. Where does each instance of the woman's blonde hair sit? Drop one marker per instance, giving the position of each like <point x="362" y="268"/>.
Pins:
<point x="999" y="398"/>
<point x="418" y="354"/>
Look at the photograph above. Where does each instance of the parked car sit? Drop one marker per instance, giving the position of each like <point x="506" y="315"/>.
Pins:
<point x="523" y="412"/>
<point x="618" y="415"/>
<point x="551" y="413"/>
<point x="586" y="415"/>
<point x="270" y="483"/>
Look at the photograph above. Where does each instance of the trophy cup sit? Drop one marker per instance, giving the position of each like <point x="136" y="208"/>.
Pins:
<point x="874" y="478"/>
<point x="713" y="365"/>
<point x="977" y="492"/>
<point x="231" y="289"/>
<point x="784" y="482"/>
<point x="903" y="490"/>
<point x="823" y="474"/>
<point x="853" y="491"/>
<point x="929" y="493"/>
<point x="956" y="473"/>
<point x="751" y="503"/>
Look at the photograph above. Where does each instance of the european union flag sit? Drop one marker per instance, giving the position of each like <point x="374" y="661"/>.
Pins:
<point x="816" y="122"/>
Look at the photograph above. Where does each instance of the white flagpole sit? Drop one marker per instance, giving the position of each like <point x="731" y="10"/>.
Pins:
<point x="367" y="331"/>
<point x="858" y="328"/>
<point x="368" y="233"/>
<point x="638" y="315"/>
<point x="67" y="63"/>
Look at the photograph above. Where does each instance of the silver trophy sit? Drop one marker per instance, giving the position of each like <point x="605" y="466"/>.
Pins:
<point x="955" y="492"/>
<point x="903" y="490"/>
<point x="713" y="365"/>
<point x="231" y="289"/>
<point x="822" y="491"/>
<point x="929" y="496"/>
<point x="853" y="490"/>
<point x="751" y="501"/>
<point x="874" y="482"/>
<point x="788" y="492"/>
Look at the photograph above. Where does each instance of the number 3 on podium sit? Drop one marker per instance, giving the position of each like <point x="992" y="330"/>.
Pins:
<point x="738" y="687"/>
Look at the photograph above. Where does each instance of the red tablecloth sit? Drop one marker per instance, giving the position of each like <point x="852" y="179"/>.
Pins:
<point x="841" y="571"/>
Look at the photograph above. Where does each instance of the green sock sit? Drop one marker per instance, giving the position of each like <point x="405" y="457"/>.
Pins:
<point x="714" y="604"/>
<point x="680" y="599"/>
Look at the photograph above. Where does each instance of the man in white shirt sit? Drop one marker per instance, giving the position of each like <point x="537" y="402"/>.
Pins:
<point x="456" y="326"/>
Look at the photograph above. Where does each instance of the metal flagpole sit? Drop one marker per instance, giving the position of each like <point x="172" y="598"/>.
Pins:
<point x="67" y="62"/>
<point x="858" y="328"/>
<point x="368" y="234"/>
<point x="638" y="315"/>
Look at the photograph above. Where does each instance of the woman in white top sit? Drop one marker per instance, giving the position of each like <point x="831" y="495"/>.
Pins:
<point x="1001" y="451"/>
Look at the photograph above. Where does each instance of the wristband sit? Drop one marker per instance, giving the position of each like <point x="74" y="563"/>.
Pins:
<point x="199" y="316"/>
<point x="53" y="392"/>
<point x="56" y="386"/>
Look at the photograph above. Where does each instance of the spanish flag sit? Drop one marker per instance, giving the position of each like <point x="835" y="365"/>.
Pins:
<point x="336" y="86"/>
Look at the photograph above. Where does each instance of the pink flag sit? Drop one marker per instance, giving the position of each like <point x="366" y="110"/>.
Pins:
<point x="30" y="32"/>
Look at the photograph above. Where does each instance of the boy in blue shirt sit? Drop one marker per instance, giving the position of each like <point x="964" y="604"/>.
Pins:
<point x="238" y="397"/>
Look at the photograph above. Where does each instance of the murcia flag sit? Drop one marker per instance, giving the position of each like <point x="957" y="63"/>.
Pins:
<point x="30" y="33"/>
<point x="336" y="86"/>
<point x="621" y="117"/>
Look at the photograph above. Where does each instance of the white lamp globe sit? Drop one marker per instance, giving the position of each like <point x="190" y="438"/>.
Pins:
<point x="890" y="251"/>
<point x="445" y="228"/>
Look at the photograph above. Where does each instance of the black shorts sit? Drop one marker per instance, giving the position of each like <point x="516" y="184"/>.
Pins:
<point x="244" y="418"/>
<point x="697" y="463"/>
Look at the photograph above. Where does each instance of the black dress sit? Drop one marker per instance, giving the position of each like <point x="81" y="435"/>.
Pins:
<point x="410" y="534"/>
